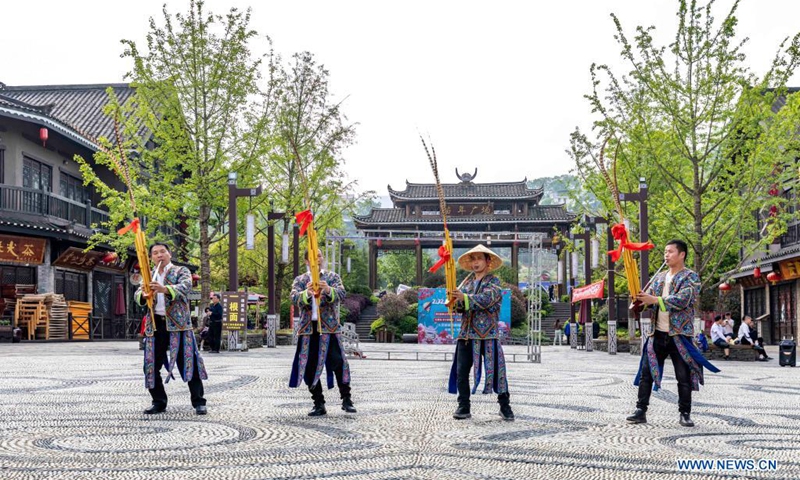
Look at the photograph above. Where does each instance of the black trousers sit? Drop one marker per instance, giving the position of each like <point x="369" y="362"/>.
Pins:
<point x="335" y="361"/>
<point x="664" y="347"/>
<point x="215" y="335"/>
<point x="162" y="346"/>
<point x="758" y="346"/>
<point x="463" y="367"/>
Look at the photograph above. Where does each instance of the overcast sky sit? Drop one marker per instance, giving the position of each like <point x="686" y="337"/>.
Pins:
<point x="497" y="85"/>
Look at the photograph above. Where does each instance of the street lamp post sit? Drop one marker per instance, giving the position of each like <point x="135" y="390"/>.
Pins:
<point x="233" y="240"/>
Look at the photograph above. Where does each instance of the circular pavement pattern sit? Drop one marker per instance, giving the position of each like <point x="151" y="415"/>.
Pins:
<point x="74" y="411"/>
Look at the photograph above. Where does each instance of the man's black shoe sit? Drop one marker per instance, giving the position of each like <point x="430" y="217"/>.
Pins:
<point x="686" y="421"/>
<point x="318" y="411"/>
<point x="639" y="416"/>
<point x="506" y="413"/>
<point x="347" y="406"/>
<point x="200" y="410"/>
<point x="462" y="413"/>
<point x="155" y="409"/>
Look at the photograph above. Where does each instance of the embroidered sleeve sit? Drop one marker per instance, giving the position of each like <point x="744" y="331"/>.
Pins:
<point x="686" y="294"/>
<point x="337" y="290"/>
<point x="139" y="298"/>
<point x="299" y="293"/>
<point x="182" y="287"/>
<point x="488" y="295"/>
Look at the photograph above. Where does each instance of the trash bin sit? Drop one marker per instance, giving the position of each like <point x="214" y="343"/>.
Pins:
<point x="787" y="352"/>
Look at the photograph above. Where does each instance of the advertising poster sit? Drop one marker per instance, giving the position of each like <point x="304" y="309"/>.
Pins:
<point x="434" y="320"/>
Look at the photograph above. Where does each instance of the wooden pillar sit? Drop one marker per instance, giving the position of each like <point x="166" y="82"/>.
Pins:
<point x="418" y="251"/>
<point x="373" y="265"/>
<point x="515" y="262"/>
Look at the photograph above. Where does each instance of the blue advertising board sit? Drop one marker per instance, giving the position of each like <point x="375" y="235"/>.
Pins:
<point x="433" y="318"/>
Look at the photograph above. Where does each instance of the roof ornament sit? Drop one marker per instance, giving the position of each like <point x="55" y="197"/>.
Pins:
<point x="466" y="177"/>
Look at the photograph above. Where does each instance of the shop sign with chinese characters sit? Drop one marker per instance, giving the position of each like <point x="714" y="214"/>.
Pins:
<point x="234" y="311"/>
<point x="22" y="249"/>
<point x="77" y="259"/>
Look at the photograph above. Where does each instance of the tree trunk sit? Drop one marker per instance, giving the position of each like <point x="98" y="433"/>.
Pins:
<point x="698" y="220"/>
<point x="205" y="257"/>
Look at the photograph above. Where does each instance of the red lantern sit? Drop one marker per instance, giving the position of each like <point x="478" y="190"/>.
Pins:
<point x="773" y="191"/>
<point x="724" y="286"/>
<point x="757" y="272"/>
<point x="136" y="267"/>
<point x="416" y="241"/>
<point x="43" y="135"/>
<point x="195" y="278"/>
<point x="773" y="211"/>
<point x="379" y="243"/>
<point x="110" y="257"/>
<point x="774" y="277"/>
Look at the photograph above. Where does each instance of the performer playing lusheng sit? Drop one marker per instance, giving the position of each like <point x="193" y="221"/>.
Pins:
<point x="320" y="347"/>
<point x="479" y="303"/>
<point x="673" y="294"/>
<point x="171" y="285"/>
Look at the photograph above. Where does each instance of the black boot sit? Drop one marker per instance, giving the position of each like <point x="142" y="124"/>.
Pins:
<point x="504" y="400"/>
<point x="347" y="405"/>
<point x="686" y="421"/>
<point x="318" y="410"/>
<point x="462" y="412"/>
<point x="639" y="416"/>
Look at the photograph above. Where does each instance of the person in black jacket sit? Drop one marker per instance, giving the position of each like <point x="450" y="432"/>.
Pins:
<point x="215" y="327"/>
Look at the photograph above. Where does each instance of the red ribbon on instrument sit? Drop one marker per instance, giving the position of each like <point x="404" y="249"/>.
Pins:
<point x="620" y="234"/>
<point x="134" y="225"/>
<point x="444" y="256"/>
<point x="304" y="218"/>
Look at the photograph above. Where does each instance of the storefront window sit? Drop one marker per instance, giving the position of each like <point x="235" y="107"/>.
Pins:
<point x="72" y="285"/>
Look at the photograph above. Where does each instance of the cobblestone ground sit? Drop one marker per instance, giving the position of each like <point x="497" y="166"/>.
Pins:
<point x="74" y="411"/>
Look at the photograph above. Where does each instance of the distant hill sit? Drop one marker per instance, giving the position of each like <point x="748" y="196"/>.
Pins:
<point x="564" y="189"/>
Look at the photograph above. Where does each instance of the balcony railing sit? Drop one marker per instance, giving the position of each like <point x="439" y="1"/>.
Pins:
<point x="37" y="202"/>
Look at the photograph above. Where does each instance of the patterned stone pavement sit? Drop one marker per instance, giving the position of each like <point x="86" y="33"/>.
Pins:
<point x="73" y="411"/>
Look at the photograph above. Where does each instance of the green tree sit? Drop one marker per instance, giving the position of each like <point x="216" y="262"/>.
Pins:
<point x="305" y="159"/>
<point x="692" y="119"/>
<point x="200" y="111"/>
<point x="396" y="267"/>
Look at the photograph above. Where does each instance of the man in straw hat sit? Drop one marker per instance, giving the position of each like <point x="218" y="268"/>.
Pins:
<point x="318" y="348"/>
<point x="479" y="303"/>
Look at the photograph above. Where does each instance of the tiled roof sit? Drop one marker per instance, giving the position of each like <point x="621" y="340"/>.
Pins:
<point x="468" y="191"/>
<point x="393" y="216"/>
<point x="45" y="225"/>
<point x="77" y="106"/>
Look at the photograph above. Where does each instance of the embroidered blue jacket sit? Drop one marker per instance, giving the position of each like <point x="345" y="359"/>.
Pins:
<point x="480" y="308"/>
<point x="683" y="295"/>
<point x="178" y="281"/>
<point x="328" y="306"/>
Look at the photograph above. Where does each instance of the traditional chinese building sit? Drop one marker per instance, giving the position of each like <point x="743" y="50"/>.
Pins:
<point x="492" y="213"/>
<point x="769" y="281"/>
<point x="47" y="214"/>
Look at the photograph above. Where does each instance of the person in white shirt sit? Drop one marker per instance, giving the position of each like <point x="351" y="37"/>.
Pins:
<point x="727" y="325"/>
<point x="718" y="337"/>
<point x="746" y="332"/>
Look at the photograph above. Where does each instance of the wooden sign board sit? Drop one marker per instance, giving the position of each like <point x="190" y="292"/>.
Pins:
<point x="22" y="249"/>
<point x="77" y="259"/>
<point x="790" y="269"/>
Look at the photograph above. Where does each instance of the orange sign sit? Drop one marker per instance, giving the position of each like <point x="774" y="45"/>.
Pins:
<point x="790" y="269"/>
<point x="22" y="249"/>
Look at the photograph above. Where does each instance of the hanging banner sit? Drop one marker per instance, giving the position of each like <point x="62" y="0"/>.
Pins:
<point x="250" y="233"/>
<point x="594" y="290"/>
<point x="433" y="325"/>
